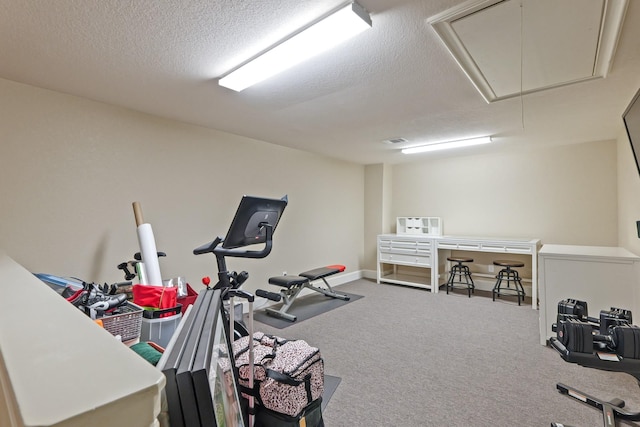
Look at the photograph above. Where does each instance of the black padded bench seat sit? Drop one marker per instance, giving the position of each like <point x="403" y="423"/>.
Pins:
<point x="288" y="281"/>
<point x="293" y="285"/>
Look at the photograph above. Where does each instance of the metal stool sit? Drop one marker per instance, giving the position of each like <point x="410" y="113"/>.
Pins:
<point x="460" y="271"/>
<point x="508" y="275"/>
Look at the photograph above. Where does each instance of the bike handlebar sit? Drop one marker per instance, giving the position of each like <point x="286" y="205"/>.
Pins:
<point x="220" y="252"/>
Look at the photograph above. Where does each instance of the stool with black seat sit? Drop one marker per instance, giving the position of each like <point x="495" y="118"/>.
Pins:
<point x="509" y="275"/>
<point x="458" y="272"/>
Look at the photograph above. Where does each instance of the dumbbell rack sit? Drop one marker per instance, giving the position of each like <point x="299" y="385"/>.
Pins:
<point x="613" y="409"/>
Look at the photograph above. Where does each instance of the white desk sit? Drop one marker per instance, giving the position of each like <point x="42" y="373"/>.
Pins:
<point x="602" y="276"/>
<point x="430" y="253"/>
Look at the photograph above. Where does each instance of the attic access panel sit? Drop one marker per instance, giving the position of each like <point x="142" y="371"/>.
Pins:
<point x="509" y="47"/>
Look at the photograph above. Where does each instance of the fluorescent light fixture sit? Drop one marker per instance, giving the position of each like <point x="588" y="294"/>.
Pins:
<point x="318" y="37"/>
<point x="447" y="145"/>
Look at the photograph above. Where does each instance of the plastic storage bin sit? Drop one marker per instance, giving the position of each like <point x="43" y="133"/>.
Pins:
<point x="159" y="329"/>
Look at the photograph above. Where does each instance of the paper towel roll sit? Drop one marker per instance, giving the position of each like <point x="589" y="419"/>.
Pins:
<point x="149" y="254"/>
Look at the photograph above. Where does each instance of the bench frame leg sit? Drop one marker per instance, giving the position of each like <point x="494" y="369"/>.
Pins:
<point x="288" y="296"/>
<point x="328" y="292"/>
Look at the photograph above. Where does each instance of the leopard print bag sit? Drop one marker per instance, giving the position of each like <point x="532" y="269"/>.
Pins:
<point x="288" y="374"/>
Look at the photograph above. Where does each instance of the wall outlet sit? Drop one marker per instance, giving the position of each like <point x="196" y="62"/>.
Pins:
<point x="284" y="273"/>
<point x="490" y="268"/>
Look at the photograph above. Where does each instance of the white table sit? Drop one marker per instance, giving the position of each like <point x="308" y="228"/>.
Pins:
<point x="429" y="253"/>
<point x="602" y="276"/>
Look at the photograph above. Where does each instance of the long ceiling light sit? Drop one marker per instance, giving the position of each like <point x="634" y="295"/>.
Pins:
<point x="313" y="39"/>
<point x="447" y="145"/>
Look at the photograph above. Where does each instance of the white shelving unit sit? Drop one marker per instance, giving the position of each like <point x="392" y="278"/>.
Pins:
<point x="429" y="226"/>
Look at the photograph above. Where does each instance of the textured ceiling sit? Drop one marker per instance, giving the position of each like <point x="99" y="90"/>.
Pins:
<point x="395" y="80"/>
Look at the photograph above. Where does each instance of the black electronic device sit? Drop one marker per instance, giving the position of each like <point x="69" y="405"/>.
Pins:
<point x="631" y="118"/>
<point x="248" y="225"/>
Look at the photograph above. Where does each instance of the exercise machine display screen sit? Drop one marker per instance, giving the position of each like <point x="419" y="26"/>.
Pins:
<point x="247" y="227"/>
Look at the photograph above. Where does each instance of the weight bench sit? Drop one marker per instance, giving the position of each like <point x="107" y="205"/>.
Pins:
<point x="293" y="285"/>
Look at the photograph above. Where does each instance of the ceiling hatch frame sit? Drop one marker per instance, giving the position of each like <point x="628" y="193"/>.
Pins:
<point x="612" y="18"/>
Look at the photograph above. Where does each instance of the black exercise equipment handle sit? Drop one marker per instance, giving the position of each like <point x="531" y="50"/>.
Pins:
<point x="268" y="295"/>
<point x="207" y="247"/>
<point x="593" y="360"/>
<point x="215" y="248"/>
<point x="138" y="256"/>
<point x="610" y="409"/>
<point x="241" y="293"/>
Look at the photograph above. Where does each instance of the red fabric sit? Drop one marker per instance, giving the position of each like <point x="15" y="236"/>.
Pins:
<point x="189" y="299"/>
<point x="155" y="296"/>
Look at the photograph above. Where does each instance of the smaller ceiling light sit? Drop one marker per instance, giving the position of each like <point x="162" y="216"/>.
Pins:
<point x="318" y="37"/>
<point x="447" y="145"/>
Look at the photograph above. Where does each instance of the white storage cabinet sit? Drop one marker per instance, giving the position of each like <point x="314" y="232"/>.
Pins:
<point x="396" y="251"/>
<point x="602" y="276"/>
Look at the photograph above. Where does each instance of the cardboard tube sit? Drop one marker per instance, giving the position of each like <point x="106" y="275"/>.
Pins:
<point x="137" y="212"/>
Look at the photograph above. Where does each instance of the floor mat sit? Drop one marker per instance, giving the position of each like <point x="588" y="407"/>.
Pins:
<point x="331" y="383"/>
<point x="304" y="308"/>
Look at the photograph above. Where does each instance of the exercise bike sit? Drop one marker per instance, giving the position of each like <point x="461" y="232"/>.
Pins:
<point x="608" y="343"/>
<point x="253" y="223"/>
<point x="201" y="377"/>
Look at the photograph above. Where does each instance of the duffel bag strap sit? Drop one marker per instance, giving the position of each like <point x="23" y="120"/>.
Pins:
<point x="256" y="341"/>
<point x="282" y="378"/>
<point x="276" y="340"/>
<point x="251" y="392"/>
<point x="286" y="379"/>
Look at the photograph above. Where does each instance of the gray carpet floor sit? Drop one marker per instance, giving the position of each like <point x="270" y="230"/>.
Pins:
<point x="408" y="357"/>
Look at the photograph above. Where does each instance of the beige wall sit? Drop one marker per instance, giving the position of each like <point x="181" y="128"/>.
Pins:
<point x="70" y="169"/>
<point x="563" y="195"/>
<point x="378" y="181"/>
